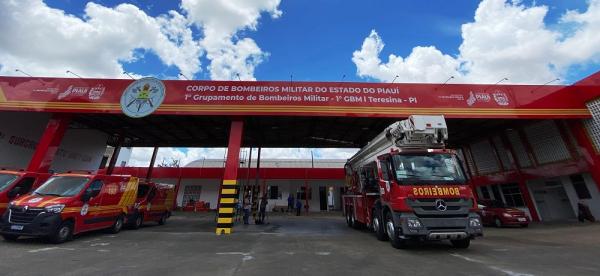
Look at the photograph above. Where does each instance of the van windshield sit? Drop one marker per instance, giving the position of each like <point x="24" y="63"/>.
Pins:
<point x="428" y="169"/>
<point x="6" y="180"/>
<point x="63" y="186"/>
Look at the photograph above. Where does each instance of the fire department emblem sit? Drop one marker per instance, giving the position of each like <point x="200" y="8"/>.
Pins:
<point x="142" y="97"/>
<point x="84" y="209"/>
<point x="149" y="206"/>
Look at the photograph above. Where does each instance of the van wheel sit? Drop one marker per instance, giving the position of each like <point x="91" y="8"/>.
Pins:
<point x="464" y="243"/>
<point x="117" y="226"/>
<point x="497" y="222"/>
<point x="63" y="233"/>
<point x="393" y="234"/>
<point x="10" y="237"/>
<point x="378" y="226"/>
<point x="137" y="223"/>
<point x="163" y="219"/>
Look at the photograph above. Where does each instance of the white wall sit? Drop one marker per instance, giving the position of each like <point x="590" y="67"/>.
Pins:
<point x="19" y="132"/>
<point x="210" y="191"/>
<point x="80" y="149"/>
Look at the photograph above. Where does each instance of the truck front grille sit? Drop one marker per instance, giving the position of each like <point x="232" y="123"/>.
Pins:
<point x="22" y="215"/>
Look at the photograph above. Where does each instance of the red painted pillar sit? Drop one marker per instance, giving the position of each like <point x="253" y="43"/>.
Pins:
<point x="228" y="190"/>
<point x="48" y="145"/>
<point x="590" y="154"/>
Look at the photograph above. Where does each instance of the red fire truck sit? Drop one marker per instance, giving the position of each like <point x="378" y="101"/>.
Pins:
<point x="406" y="186"/>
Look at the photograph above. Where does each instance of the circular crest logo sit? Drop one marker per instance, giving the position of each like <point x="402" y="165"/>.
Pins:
<point x="149" y="206"/>
<point x="84" y="209"/>
<point x="142" y="97"/>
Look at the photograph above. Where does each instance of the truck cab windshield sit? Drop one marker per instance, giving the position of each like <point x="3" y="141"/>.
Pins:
<point x="6" y="180"/>
<point x="142" y="190"/>
<point x="428" y="169"/>
<point x="63" y="186"/>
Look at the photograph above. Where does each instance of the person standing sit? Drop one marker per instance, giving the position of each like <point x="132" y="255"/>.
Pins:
<point x="247" y="206"/>
<point x="290" y="200"/>
<point x="262" y="210"/>
<point x="298" y="207"/>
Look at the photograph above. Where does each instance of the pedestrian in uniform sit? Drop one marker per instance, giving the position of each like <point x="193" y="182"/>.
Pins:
<point x="298" y="207"/>
<point x="262" y="210"/>
<point x="247" y="206"/>
<point x="290" y="200"/>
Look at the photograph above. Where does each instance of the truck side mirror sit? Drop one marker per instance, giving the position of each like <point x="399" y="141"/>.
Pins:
<point x="87" y="195"/>
<point x="14" y="192"/>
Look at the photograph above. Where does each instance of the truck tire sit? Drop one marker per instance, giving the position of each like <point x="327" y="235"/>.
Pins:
<point x="117" y="226"/>
<point x="497" y="222"/>
<point x="464" y="243"/>
<point x="392" y="233"/>
<point x="63" y="233"/>
<point x="378" y="226"/>
<point x="10" y="237"/>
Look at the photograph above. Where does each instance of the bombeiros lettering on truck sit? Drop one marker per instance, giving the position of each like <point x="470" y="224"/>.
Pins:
<point x="406" y="186"/>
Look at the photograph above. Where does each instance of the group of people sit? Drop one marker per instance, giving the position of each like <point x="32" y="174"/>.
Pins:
<point x="293" y="204"/>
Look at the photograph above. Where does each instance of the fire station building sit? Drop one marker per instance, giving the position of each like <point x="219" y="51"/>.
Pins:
<point x="534" y="147"/>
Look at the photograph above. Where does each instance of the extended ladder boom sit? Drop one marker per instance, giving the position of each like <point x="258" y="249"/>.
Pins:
<point x="418" y="131"/>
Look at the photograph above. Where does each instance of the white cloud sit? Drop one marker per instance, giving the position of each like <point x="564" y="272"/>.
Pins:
<point x="221" y="21"/>
<point x="45" y="41"/>
<point x="140" y="157"/>
<point x="506" y="39"/>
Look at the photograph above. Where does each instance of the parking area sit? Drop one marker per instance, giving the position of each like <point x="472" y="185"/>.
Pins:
<point x="307" y="245"/>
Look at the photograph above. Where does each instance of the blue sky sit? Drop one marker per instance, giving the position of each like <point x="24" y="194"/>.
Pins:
<point x="526" y="41"/>
<point x="314" y="40"/>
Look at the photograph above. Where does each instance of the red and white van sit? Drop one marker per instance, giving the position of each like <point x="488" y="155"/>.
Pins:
<point x="15" y="183"/>
<point x="154" y="203"/>
<point x="68" y="204"/>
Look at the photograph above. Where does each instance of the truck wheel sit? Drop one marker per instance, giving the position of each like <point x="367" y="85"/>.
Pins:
<point x="137" y="223"/>
<point x="497" y="222"/>
<point x="117" y="226"/>
<point x="10" y="237"/>
<point x="464" y="243"/>
<point x="63" y="233"/>
<point x="163" y="219"/>
<point x="524" y="225"/>
<point x="392" y="233"/>
<point x="378" y="226"/>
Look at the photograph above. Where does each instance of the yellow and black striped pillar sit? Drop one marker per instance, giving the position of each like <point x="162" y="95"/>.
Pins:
<point x="226" y="206"/>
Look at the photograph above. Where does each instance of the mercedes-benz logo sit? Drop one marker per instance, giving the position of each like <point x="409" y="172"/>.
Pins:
<point x="440" y="204"/>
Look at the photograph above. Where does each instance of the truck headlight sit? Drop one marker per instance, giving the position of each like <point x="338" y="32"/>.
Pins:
<point x="413" y="223"/>
<point x="474" y="222"/>
<point x="55" y="208"/>
<point x="11" y="204"/>
<point x="506" y="215"/>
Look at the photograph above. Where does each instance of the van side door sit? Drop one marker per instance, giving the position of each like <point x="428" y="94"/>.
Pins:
<point x="91" y="210"/>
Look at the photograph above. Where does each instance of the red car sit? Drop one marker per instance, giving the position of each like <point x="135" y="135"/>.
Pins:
<point x="494" y="212"/>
